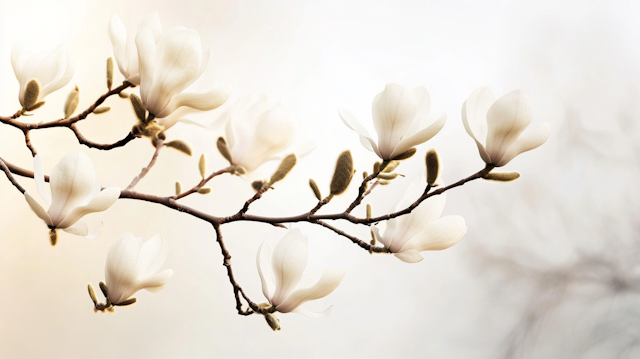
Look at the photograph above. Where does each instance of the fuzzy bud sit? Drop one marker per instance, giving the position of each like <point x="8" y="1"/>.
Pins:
<point x="433" y="166"/>
<point x="273" y="321"/>
<point x="315" y="189"/>
<point x="384" y="182"/>
<point x="127" y="302"/>
<point x="257" y="185"/>
<point x="204" y="190"/>
<point x="72" y="102"/>
<point x="123" y="94"/>
<point x="392" y="165"/>
<point x="342" y="174"/>
<point x="109" y="73"/>
<point x="138" y="107"/>
<point x="179" y="145"/>
<point x="369" y="210"/>
<point x="376" y="167"/>
<point x="502" y="176"/>
<point x="283" y="170"/>
<point x="92" y="294"/>
<point x="104" y="289"/>
<point x="202" y="166"/>
<point x="387" y="176"/>
<point x="224" y="149"/>
<point x="410" y="152"/>
<point x="31" y="94"/>
<point x="102" y="109"/>
<point x="178" y="188"/>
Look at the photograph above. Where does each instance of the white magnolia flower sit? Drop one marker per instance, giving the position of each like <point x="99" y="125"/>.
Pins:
<point x="133" y="265"/>
<point x="400" y="117"/>
<point x="168" y="74"/>
<point x="124" y="45"/>
<point x="74" y="194"/>
<point x="288" y="263"/>
<point x="256" y="132"/>
<point x="496" y="125"/>
<point x="422" y="229"/>
<point x="51" y="69"/>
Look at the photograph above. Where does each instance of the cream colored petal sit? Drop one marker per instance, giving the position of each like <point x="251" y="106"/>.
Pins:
<point x="413" y="223"/>
<point x="422" y="136"/>
<point x="118" y="36"/>
<point x="327" y="284"/>
<point x="38" y="175"/>
<point x="313" y="315"/>
<point x="474" y="112"/>
<point x="178" y="64"/>
<point x="65" y="70"/>
<point x="147" y="50"/>
<point x="438" y="235"/>
<point x="376" y="233"/>
<point x="354" y="124"/>
<point x="153" y="22"/>
<point x="394" y="110"/>
<point x="37" y="209"/>
<point x="100" y="202"/>
<point x="203" y="101"/>
<point x="152" y="255"/>
<point x="289" y="261"/>
<point x="154" y="284"/>
<point x="121" y="266"/>
<point x="527" y="142"/>
<point x="17" y="62"/>
<point x="410" y="256"/>
<point x="71" y="181"/>
<point x="262" y="258"/>
<point x="80" y="228"/>
<point x="506" y="119"/>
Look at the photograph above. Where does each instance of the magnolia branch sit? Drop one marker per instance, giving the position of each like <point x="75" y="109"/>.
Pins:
<point x="145" y="170"/>
<point x="202" y="183"/>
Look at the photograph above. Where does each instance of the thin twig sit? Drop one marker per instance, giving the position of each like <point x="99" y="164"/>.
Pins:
<point x="353" y="239"/>
<point x="27" y="140"/>
<point x="202" y="183"/>
<point x="361" y="191"/>
<point x="105" y="147"/>
<point x="12" y="179"/>
<point x="146" y="170"/>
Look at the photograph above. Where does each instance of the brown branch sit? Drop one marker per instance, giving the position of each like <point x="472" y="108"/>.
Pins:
<point x="105" y="147"/>
<point x="237" y="289"/>
<point x="202" y="183"/>
<point x="12" y="179"/>
<point x="145" y="170"/>
<point x="255" y="197"/>
<point x="353" y="239"/>
<point x="27" y="140"/>
<point x="361" y="191"/>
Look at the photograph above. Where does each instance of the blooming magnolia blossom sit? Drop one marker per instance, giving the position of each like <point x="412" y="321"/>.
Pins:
<point x="133" y="265"/>
<point x="124" y="46"/>
<point x="422" y="229"/>
<point x="400" y="117"/>
<point x="497" y="125"/>
<point x="168" y="74"/>
<point x="51" y="69"/>
<point x="288" y="263"/>
<point x="74" y="194"/>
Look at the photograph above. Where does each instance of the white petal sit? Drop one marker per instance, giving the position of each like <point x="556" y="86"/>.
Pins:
<point x="313" y="315"/>
<point x="327" y="283"/>
<point x="204" y="101"/>
<point x="154" y="284"/>
<point x="121" y="265"/>
<point x="152" y="255"/>
<point x="422" y="136"/>
<point x="394" y="111"/>
<point x="410" y="256"/>
<point x="153" y="22"/>
<point x="289" y="261"/>
<point x="438" y="235"/>
<point x="178" y="64"/>
<point x="376" y="233"/>
<point x="413" y="223"/>
<point x="100" y="202"/>
<point x="263" y="255"/>
<point x="38" y="175"/>
<point x="506" y="119"/>
<point x="474" y="118"/>
<point x="527" y="142"/>
<point x="80" y="228"/>
<point x="71" y="181"/>
<point x="118" y="36"/>
<point x="424" y="106"/>
<point x="37" y="209"/>
<point x="146" y="45"/>
<point x="18" y="67"/>
<point x="65" y="70"/>
<point x="354" y="124"/>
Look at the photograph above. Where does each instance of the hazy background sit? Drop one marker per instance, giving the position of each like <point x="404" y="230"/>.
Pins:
<point x="549" y="267"/>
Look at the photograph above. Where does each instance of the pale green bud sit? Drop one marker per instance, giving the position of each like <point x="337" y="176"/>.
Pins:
<point x="369" y="210"/>
<point x="138" y="108"/>
<point x="224" y="149"/>
<point x="204" y="190"/>
<point x="92" y="294"/>
<point x="109" y="73"/>
<point x="101" y="109"/>
<point x="72" y="102"/>
<point x="178" y="188"/>
<point x="502" y="176"/>
<point x="315" y="189"/>
<point x="392" y="165"/>
<point x="179" y="145"/>
<point x="202" y="166"/>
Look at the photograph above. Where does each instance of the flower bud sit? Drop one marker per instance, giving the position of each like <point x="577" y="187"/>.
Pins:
<point x="72" y="102"/>
<point x="224" y="149"/>
<point x="53" y="236"/>
<point x="92" y="294"/>
<point x="387" y="176"/>
<point x="31" y="94"/>
<point x="105" y="290"/>
<point x="315" y="189"/>
<point x="384" y="182"/>
<point x="285" y="167"/>
<point x="376" y="167"/>
<point x="138" y="107"/>
<point x="202" y="166"/>
<point x="273" y="321"/>
<point x="109" y="73"/>
<point x="502" y="176"/>
<point x="178" y="188"/>
<point x="257" y="185"/>
<point x="369" y="210"/>
<point x="127" y="302"/>
<point x="179" y="145"/>
<point x="365" y="174"/>
<point x="406" y="155"/>
<point x="204" y="190"/>
<point x="102" y="109"/>
<point x="123" y="94"/>
<point x="433" y="166"/>
<point x="392" y="165"/>
<point x="342" y="174"/>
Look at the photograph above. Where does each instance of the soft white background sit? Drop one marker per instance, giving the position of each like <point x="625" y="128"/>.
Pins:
<point x="577" y="59"/>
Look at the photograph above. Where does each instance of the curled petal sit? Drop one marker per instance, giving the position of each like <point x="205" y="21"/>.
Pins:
<point x="71" y="181"/>
<point x="289" y="261"/>
<point x="421" y="137"/>
<point x="438" y="235"/>
<point x="410" y="256"/>
<point x="313" y="315"/>
<point x="80" y="228"/>
<point x="506" y="119"/>
<point x="264" y="253"/>
<point x="527" y="142"/>
<point x="121" y="267"/>
<point x="327" y="284"/>
<point x="154" y="284"/>
<point x="203" y="101"/>
<point x="37" y="209"/>
<point x="354" y="124"/>
<point x="100" y="202"/>
<point x="152" y="255"/>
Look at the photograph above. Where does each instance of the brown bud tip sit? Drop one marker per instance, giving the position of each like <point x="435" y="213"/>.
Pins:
<point x="204" y="190"/>
<point x="109" y="73"/>
<point x="202" y="166"/>
<point x="433" y="166"/>
<point x="273" y="321"/>
<point x="502" y="176"/>
<point x="53" y="236"/>
<point x="368" y="210"/>
<point x="102" y="109"/>
<point x="224" y="149"/>
<point x="283" y="170"/>
<point x="257" y="185"/>
<point x="404" y="156"/>
<point x="138" y="108"/>
<point x="315" y="189"/>
<point x="104" y="289"/>
<point x="342" y="174"/>
<point x="178" y="188"/>
<point x="92" y="294"/>
<point x="179" y="145"/>
<point x="31" y="94"/>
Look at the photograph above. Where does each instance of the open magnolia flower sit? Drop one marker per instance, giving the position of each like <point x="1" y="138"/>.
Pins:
<point x="400" y="117"/>
<point x="133" y="265"/>
<point x="168" y="74"/>
<point x="288" y="263"/>
<point x="422" y="229"/>
<point x="124" y="46"/>
<point x="51" y="69"/>
<point x="74" y="194"/>
<point x="497" y="125"/>
<point x="256" y="132"/>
